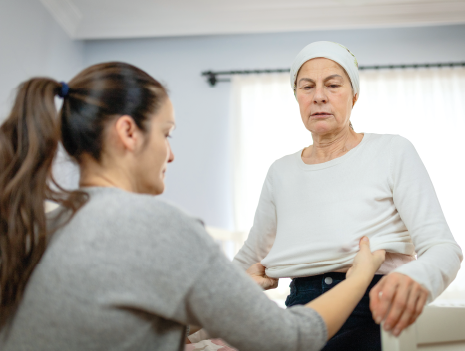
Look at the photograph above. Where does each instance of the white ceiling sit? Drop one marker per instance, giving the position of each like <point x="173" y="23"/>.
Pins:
<point x="102" y="19"/>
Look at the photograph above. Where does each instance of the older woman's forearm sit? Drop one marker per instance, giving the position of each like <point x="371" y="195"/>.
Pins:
<point x="435" y="268"/>
<point x="416" y="201"/>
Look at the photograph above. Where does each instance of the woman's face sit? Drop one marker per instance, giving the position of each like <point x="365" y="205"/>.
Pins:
<point x="156" y="152"/>
<point x="325" y="96"/>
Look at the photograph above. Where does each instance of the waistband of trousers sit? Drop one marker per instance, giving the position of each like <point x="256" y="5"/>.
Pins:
<point x="337" y="276"/>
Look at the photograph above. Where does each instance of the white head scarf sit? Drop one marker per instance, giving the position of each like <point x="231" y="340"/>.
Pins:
<point x="333" y="51"/>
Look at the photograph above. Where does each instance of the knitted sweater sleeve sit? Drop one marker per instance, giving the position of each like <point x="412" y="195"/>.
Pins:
<point x="263" y="232"/>
<point x="439" y="256"/>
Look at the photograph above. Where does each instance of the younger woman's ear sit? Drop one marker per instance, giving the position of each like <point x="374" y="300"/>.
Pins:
<point x="127" y="132"/>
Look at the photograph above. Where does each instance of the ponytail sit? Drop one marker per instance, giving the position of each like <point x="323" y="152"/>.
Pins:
<point x="28" y="143"/>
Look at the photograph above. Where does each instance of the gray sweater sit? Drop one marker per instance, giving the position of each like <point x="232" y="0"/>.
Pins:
<point x="129" y="272"/>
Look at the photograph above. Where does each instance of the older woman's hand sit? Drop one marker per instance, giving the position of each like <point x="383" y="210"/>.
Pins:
<point x="398" y="300"/>
<point x="257" y="273"/>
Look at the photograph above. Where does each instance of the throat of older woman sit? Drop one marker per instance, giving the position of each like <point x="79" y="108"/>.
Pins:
<point x="327" y="148"/>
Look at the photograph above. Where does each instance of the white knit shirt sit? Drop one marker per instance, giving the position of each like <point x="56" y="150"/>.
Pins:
<point x="310" y="218"/>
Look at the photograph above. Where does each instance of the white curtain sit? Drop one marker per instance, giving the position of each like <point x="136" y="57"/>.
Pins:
<point x="266" y="126"/>
<point x="427" y="106"/>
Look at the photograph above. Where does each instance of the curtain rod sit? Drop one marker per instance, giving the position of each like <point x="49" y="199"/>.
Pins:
<point x="212" y="76"/>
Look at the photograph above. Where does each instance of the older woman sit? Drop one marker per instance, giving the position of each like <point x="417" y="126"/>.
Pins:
<point x="317" y="203"/>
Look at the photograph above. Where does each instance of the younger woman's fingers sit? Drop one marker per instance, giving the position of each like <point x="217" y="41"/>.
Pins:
<point x="364" y="244"/>
<point x="380" y="255"/>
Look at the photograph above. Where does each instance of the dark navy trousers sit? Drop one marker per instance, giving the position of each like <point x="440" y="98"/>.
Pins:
<point x="359" y="332"/>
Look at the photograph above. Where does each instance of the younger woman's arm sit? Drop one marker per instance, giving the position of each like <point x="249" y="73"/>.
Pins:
<point x="337" y="304"/>
<point x="230" y="305"/>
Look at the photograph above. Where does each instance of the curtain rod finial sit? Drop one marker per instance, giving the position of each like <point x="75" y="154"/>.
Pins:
<point x="211" y="78"/>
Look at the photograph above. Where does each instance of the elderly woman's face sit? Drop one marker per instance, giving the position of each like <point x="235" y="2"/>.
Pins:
<point x="325" y="96"/>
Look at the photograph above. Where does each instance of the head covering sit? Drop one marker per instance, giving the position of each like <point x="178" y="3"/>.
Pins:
<point x="333" y="51"/>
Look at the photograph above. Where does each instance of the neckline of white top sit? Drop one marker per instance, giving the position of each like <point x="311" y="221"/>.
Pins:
<point x="336" y="161"/>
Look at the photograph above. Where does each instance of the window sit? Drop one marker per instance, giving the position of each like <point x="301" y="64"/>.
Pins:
<point x="427" y="106"/>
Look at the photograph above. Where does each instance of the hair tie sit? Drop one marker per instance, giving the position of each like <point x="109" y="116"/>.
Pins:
<point x="64" y="90"/>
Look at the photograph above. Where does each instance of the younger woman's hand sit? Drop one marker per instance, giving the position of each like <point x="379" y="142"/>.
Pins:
<point x="257" y="273"/>
<point x="366" y="263"/>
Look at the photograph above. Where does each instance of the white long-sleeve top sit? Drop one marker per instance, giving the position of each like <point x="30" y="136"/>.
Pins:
<point x="310" y="218"/>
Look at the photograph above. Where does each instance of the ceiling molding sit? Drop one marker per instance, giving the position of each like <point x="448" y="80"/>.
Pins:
<point x="104" y="19"/>
<point x="65" y="13"/>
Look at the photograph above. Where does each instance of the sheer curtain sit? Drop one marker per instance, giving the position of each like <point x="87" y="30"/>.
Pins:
<point x="266" y="126"/>
<point x="427" y="106"/>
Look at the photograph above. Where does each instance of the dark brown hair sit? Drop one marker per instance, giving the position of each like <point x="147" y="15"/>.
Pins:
<point x="29" y="139"/>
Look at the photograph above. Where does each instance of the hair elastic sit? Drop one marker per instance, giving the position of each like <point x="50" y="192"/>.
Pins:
<point x="64" y="90"/>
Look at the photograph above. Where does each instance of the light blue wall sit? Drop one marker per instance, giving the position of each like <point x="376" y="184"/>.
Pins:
<point x="200" y="178"/>
<point x="32" y="44"/>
